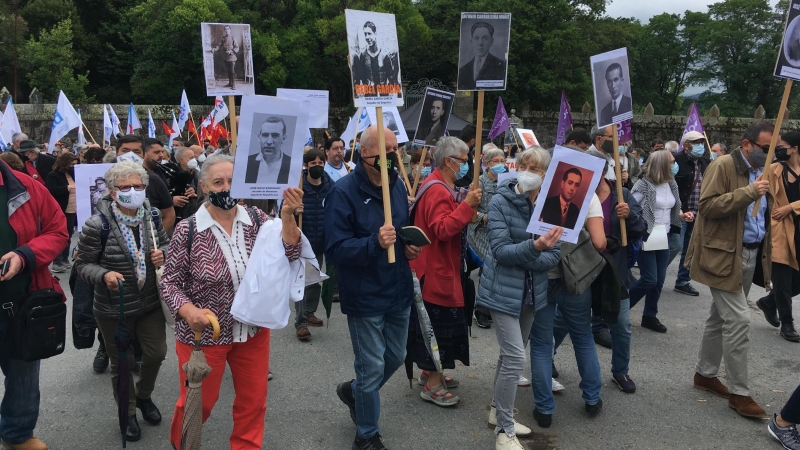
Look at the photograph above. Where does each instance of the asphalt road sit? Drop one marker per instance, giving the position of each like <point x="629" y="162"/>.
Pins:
<point x="78" y="411"/>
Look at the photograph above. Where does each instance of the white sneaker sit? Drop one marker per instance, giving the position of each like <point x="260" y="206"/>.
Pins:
<point x="524" y="382"/>
<point x="557" y="387"/>
<point x="519" y="429"/>
<point x="504" y="442"/>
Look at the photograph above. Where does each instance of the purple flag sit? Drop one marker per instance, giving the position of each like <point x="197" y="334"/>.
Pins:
<point x="501" y="122"/>
<point x="625" y="131"/>
<point x="694" y="123"/>
<point x="564" y="120"/>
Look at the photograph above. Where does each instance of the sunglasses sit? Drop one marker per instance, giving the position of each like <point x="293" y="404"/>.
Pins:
<point x="764" y="148"/>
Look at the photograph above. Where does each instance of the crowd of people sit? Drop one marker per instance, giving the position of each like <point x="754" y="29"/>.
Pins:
<point x="170" y="245"/>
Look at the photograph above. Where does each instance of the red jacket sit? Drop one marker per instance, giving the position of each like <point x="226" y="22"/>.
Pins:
<point x="40" y="225"/>
<point x="442" y="220"/>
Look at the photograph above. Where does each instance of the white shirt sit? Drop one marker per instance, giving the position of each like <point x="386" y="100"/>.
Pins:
<point x="595" y="208"/>
<point x="335" y="173"/>
<point x="268" y="172"/>
<point x="615" y="105"/>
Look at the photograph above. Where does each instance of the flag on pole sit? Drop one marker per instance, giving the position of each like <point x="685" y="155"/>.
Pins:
<point x="501" y="122"/>
<point x="3" y="146"/>
<point x="133" y="120"/>
<point x="193" y="131"/>
<point x="220" y="111"/>
<point x="175" y="129"/>
<point x="185" y="109"/>
<point x="363" y="124"/>
<point x="151" y="126"/>
<point x="81" y="137"/>
<point x="207" y="120"/>
<point x="114" y="121"/>
<point x="108" y="128"/>
<point x="564" y="120"/>
<point x="310" y="140"/>
<point x="9" y="124"/>
<point x="625" y="131"/>
<point x="694" y="122"/>
<point x="166" y="128"/>
<point x="64" y="119"/>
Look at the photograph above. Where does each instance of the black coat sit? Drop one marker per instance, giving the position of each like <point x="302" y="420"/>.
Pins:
<point x="685" y="176"/>
<point x="253" y="165"/>
<point x="493" y="68"/>
<point x="56" y="182"/>
<point x="44" y="164"/>
<point x="314" y="212"/>
<point x="625" y="105"/>
<point x="551" y="213"/>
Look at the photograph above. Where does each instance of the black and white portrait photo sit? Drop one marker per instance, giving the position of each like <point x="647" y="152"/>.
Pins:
<point x="272" y="133"/>
<point x="788" y="64"/>
<point x="612" y="87"/>
<point x="483" y="51"/>
<point x="374" y="58"/>
<point x="227" y="59"/>
<point x="391" y="120"/>
<point x="432" y="125"/>
<point x="90" y="187"/>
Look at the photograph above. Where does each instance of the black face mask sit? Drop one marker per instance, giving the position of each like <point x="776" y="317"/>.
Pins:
<point x="608" y="146"/>
<point x="316" y="172"/>
<point x="390" y="157"/>
<point x="782" y="154"/>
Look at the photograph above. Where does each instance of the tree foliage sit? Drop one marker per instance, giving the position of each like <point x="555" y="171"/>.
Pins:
<point x="50" y="64"/>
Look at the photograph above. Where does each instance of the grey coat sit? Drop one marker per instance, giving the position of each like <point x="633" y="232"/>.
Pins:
<point x="512" y="253"/>
<point x="92" y="266"/>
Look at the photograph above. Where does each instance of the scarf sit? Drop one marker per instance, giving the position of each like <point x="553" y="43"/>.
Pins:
<point x="125" y="222"/>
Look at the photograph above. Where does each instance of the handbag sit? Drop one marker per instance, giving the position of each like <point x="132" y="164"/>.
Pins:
<point x="37" y="327"/>
<point x="581" y="264"/>
<point x="658" y="236"/>
<point x="168" y="317"/>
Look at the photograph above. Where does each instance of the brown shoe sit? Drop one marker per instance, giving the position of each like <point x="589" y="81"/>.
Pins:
<point x="31" y="444"/>
<point x="746" y="406"/>
<point x="314" y="322"/>
<point x="303" y="333"/>
<point x="712" y="385"/>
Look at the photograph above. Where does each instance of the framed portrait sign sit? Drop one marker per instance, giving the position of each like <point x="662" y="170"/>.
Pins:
<point x="315" y="102"/>
<point x="483" y="51"/>
<point x="391" y="120"/>
<point x="527" y="138"/>
<point x="90" y="187"/>
<point x="612" y="87"/>
<point x="432" y="125"/>
<point x="227" y="59"/>
<point x="374" y="58"/>
<point x="788" y="64"/>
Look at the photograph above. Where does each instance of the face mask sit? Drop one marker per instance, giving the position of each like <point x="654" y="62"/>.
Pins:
<point x="641" y="161"/>
<point x="757" y="157"/>
<point x="528" y="182"/>
<point x="463" y="168"/>
<point x="425" y="171"/>
<point x="498" y="169"/>
<point x="130" y="156"/>
<point x="674" y="168"/>
<point x="782" y="154"/>
<point x="713" y="156"/>
<point x="192" y="164"/>
<point x="376" y="164"/>
<point x="132" y="199"/>
<point x="222" y="200"/>
<point x="698" y="150"/>
<point x="623" y="149"/>
<point x="201" y="158"/>
<point x="358" y="146"/>
<point x="316" y="172"/>
<point x="608" y="146"/>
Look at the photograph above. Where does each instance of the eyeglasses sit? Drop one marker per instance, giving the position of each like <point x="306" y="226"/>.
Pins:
<point x="460" y="160"/>
<point x="764" y="148"/>
<point x="497" y="161"/>
<point x="137" y="187"/>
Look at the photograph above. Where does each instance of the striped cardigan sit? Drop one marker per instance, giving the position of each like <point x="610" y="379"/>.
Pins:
<point x="648" y="202"/>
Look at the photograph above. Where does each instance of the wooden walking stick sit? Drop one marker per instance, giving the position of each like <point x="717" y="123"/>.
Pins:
<point x="387" y="201"/>
<point x="618" y="172"/>
<point x="776" y="134"/>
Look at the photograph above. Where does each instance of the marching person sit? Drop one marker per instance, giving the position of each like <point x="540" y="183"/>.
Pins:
<point x="335" y="166"/>
<point x="514" y="281"/>
<point x="420" y="169"/>
<point x="37" y="165"/>
<point x="126" y="252"/>
<point x="61" y="184"/>
<point x="203" y="280"/>
<point x="722" y="255"/>
<point x="33" y="231"/>
<point x="376" y="296"/>
<point x="157" y="192"/>
<point x="785" y="228"/>
<point x="187" y="203"/>
<point x="443" y="214"/>
<point x="783" y="426"/>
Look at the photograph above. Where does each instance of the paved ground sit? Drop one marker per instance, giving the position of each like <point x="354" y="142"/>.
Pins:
<point x="78" y="412"/>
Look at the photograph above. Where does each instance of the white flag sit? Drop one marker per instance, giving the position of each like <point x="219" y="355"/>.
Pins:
<point x="64" y="120"/>
<point x="9" y="124"/>
<point x="4" y="144"/>
<point x="108" y="128"/>
<point x="151" y="126"/>
<point x="114" y="120"/>
<point x="220" y="111"/>
<point x="185" y="109"/>
<point x="175" y="129"/>
<point x="81" y="137"/>
<point x="133" y="120"/>
<point x="363" y="124"/>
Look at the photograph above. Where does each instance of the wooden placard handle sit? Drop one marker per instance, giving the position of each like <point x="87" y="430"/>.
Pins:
<point x="387" y="201"/>
<point x="476" y="174"/>
<point x="234" y="125"/>
<point x="618" y="172"/>
<point x="776" y="134"/>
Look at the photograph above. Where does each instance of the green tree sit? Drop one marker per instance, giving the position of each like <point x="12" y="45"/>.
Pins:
<point x="8" y="42"/>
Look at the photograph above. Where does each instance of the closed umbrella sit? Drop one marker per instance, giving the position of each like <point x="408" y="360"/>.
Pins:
<point x="196" y="370"/>
<point x="427" y="334"/>
<point x="122" y="340"/>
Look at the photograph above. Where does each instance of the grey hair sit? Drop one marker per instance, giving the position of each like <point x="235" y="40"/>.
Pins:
<point x="723" y="147"/>
<point x="181" y="152"/>
<point x="18" y="137"/>
<point x="447" y="147"/>
<point x="110" y="156"/>
<point x="213" y="161"/>
<point x="535" y="156"/>
<point x="597" y="132"/>
<point x="672" y="146"/>
<point x="659" y="169"/>
<point x="490" y="151"/>
<point x="123" y="170"/>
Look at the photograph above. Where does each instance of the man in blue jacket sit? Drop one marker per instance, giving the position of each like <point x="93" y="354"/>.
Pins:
<point x="376" y="296"/>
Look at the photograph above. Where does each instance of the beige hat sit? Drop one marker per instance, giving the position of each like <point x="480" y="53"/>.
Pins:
<point x="692" y="136"/>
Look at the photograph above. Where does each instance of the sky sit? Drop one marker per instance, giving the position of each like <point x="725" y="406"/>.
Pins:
<point x="645" y="9"/>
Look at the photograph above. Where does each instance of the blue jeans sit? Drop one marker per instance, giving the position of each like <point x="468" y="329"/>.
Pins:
<point x="620" y="337"/>
<point x="379" y="346"/>
<point x="653" y="271"/>
<point x="686" y="235"/>
<point x="19" y="410"/>
<point x="577" y="315"/>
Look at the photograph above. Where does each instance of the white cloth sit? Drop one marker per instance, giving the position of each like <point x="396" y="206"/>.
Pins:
<point x="268" y="171"/>
<point x="271" y="280"/>
<point x="595" y="208"/>
<point x="664" y="203"/>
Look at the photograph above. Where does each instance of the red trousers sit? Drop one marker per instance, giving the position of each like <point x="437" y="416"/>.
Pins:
<point x="249" y="363"/>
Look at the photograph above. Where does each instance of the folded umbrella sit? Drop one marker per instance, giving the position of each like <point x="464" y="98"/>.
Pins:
<point x="196" y="370"/>
<point x="427" y="334"/>
<point x="122" y="340"/>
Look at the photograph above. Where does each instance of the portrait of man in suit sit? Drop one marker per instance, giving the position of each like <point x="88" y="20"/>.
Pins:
<point x="435" y="128"/>
<point x="270" y="165"/>
<point x="559" y="209"/>
<point x="484" y="66"/>
<point x="620" y="103"/>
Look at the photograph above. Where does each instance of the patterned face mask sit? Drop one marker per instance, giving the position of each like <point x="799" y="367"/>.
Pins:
<point x="222" y="200"/>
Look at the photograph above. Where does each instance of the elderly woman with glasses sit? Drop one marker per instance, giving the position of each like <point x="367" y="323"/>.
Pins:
<point x="443" y="213"/>
<point x="118" y="245"/>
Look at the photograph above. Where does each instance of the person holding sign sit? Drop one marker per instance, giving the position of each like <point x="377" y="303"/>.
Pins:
<point x="375" y="295"/>
<point x="726" y="244"/>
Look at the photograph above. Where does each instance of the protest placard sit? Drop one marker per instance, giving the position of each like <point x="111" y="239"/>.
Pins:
<point x="483" y="51"/>
<point x="90" y="187"/>
<point x="391" y="120"/>
<point x="227" y="59"/>
<point x="612" y="87"/>
<point x="788" y="64"/>
<point x="374" y="58"/>
<point x="432" y="125"/>
<point x="527" y="138"/>
<point x="315" y="102"/>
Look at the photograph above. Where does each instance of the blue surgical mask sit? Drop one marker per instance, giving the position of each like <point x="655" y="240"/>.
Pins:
<point x="713" y="156"/>
<point x="498" y="169"/>
<point x="623" y="149"/>
<point x="675" y="168"/>
<point x="426" y="170"/>
<point x="358" y="146"/>
<point x="463" y="168"/>
<point x="698" y="150"/>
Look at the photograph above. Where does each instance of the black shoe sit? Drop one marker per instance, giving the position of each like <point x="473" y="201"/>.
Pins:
<point x="787" y="436"/>
<point x="788" y="332"/>
<point x="624" y="383"/>
<point x="594" y="410"/>
<point x="543" y="420"/>
<point x="555" y="371"/>
<point x="345" y="392"/>
<point x="100" y="363"/>
<point x="150" y="412"/>
<point x="687" y="289"/>
<point x="770" y="312"/>
<point x="134" y="433"/>
<point x="652" y="323"/>
<point x="373" y="443"/>
<point x="603" y="338"/>
<point x="482" y="320"/>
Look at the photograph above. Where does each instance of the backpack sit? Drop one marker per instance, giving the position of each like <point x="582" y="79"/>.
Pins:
<point x="190" y="236"/>
<point x="458" y="195"/>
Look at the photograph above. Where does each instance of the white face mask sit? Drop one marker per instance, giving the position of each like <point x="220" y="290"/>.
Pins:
<point x="528" y="182"/>
<point x="132" y="199"/>
<point x="201" y="158"/>
<point x="192" y="164"/>
<point x="130" y="156"/>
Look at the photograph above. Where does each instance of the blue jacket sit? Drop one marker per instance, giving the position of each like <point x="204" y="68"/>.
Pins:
<point x="512" y="253"/>
<point x="314" y="212"/>
<point x="368" y="284"/>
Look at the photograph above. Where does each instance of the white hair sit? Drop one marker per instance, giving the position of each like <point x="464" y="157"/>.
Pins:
<point x="448" y="147"/>
<point x="18" y="137"/>
<point x="212" y="161"/>
<point x="672" y="146"/>
<point x="490" y="151"/>
<point x="123" y="170"/>
<point x="180" y="153"/>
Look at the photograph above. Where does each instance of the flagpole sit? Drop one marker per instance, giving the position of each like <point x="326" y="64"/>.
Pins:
<point x="87" y="130"/>
<point x="623" y="230"/>
<point x="775" y="136"/>
<point x="355" y="132"/>
<point x="421" y="163"/>
<point x="405" y="176"/>
<point x="706" y="136"/>
<point x="232" y="110"/>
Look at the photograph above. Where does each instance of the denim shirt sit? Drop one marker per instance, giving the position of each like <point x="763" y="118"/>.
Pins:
<point x="754" y="227"/>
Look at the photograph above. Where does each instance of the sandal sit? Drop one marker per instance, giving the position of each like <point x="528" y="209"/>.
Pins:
<point x="451" y="382"/>
<point x="438" y="395"/>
